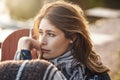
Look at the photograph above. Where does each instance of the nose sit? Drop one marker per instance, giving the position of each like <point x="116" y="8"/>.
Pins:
<point x="43" y="40"/>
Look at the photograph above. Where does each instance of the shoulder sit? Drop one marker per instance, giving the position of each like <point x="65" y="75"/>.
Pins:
<point x="99" y="76"/>
<point x="37" y="69"/>
<point x="104" y="76"/>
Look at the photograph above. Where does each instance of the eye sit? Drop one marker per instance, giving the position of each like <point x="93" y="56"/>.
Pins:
<point x="51" y="34"/>
<point x="41" y="33"/>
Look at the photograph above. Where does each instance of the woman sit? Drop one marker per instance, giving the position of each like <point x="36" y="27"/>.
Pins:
<point x="64" y="40"/>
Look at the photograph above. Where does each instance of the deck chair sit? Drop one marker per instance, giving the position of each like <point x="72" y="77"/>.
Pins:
<point x="9" y="45"/>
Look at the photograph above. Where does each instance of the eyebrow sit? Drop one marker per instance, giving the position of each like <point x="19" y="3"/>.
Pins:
<point x="48" y="30"/>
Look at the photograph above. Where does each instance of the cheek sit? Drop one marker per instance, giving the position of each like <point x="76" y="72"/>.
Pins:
<point x="60" y="45"/>
<point x="54" y="44"/>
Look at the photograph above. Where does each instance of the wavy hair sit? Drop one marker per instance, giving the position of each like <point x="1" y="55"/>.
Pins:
<point x="70" y="19"/>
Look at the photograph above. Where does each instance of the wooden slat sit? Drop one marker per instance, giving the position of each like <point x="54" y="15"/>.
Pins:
<point x="9" y="45"/>
<point x="0" y="44"/>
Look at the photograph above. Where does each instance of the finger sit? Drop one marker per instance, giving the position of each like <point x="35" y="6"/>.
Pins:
<point x="35" y="44"/>
<point x="34" y="54"/>
<point x="40" y="55"/>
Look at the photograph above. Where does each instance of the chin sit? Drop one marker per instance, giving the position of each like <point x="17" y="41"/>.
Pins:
<point x="48" y="57"/>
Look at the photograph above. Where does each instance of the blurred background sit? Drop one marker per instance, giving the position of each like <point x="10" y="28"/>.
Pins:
<point x="103" y="17"/>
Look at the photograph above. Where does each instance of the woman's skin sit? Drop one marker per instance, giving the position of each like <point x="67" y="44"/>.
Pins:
<point x="52" y="41"/>
<point x="33" y="45"/>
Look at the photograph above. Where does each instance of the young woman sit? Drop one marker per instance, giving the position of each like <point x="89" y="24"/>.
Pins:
<point x="62" y="38"/>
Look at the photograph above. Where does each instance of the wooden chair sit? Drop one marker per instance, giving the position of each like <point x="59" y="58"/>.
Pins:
<point x="9" y="45"/>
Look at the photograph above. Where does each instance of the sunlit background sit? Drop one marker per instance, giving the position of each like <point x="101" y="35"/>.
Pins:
<point x="103" y="17"/>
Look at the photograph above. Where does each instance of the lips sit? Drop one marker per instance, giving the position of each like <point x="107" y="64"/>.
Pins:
<point x="44" y="50"/>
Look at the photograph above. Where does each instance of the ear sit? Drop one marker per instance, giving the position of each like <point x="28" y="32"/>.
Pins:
<point x="73" y="38"/>
<point x="71" y="41"/>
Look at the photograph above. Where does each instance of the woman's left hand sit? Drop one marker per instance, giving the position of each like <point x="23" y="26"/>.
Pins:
<point x="33" y="45"/>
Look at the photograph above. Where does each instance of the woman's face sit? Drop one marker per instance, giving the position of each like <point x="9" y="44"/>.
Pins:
<point x="52" y="40"/>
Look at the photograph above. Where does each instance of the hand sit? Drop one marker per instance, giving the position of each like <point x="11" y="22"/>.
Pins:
<point x="28" y="43"/>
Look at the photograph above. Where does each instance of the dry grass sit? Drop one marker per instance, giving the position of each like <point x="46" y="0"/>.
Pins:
<point x="117" y="75"/>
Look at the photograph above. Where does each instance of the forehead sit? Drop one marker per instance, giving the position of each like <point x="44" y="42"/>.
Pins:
<point x="46" y="25"/>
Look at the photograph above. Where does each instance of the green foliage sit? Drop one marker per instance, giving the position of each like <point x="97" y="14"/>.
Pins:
<point x="88" y="3"/>
<point x="95" y="3"/>
<point x="23" y="9"/>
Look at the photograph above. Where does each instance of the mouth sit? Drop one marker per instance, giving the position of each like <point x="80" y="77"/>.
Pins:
<point x="44" y="50"/>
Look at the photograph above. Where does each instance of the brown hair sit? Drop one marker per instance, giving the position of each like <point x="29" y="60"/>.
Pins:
<point x="70" y="19"/>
